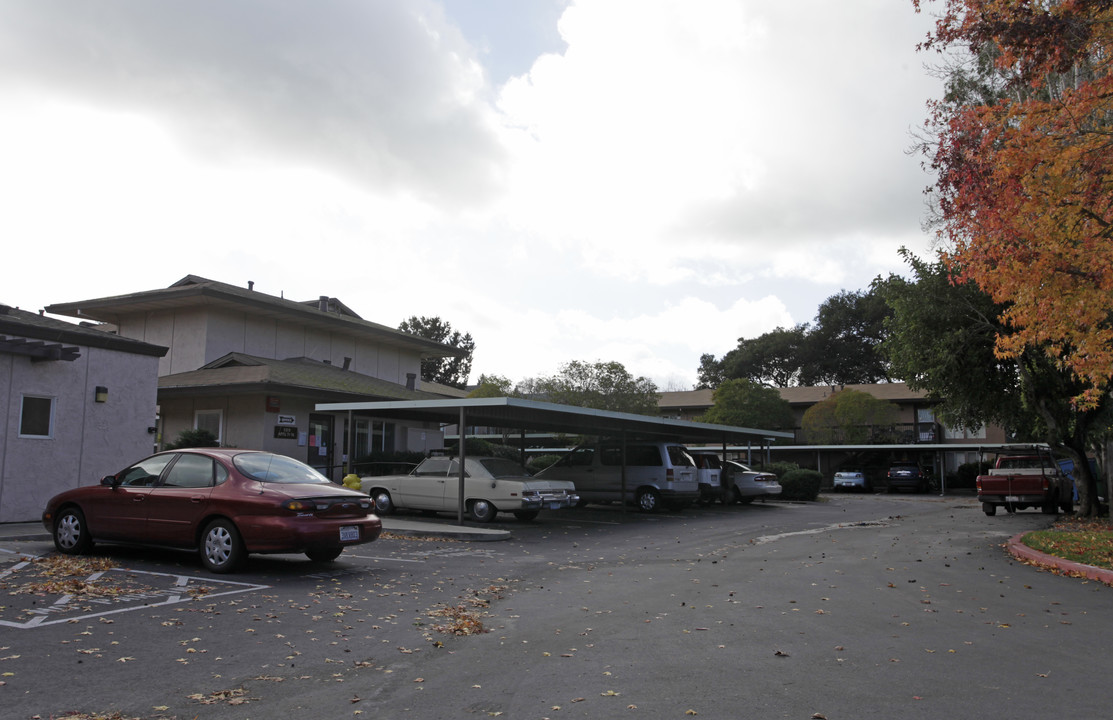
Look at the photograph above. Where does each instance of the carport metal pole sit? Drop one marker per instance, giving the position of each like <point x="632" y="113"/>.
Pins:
<point x="460" y="491"/>
<point x="623" y="473"/>
<point x="351" y="443"/>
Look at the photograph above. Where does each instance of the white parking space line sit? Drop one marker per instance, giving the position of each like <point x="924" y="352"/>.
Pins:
<point x="68" y="607"/>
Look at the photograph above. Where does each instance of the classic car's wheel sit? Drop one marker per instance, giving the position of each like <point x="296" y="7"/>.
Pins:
<point x="383" y="504"/>
<point x="730" y="495"/>
<point x="989" y="509"/>
<point x="581" y="503"/>
<point x="746" y="500"/>
<point x="324" y="554"/>
<point x="526" y="515"/>
<point x="482" y="511"/>
<point x="71" y="534"/>
<point x="221" y="546"/>
<point x="648" y="500"/>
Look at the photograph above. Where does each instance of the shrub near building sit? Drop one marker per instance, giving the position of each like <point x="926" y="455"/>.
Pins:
<point x="801" y="484"/>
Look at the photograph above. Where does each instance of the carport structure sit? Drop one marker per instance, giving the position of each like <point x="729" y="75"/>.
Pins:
<point x="524" y="416"/>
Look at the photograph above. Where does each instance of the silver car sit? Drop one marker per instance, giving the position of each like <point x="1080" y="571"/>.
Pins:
<point x="850" y="481"/>
<point x="491" y="485"/>
<point x="747" y="483"/>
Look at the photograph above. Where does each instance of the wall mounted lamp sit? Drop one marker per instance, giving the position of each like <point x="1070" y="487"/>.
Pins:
<point x="101" y="394"/>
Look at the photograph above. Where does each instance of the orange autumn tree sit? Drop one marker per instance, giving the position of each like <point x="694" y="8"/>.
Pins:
<point x="1024" y="165"/>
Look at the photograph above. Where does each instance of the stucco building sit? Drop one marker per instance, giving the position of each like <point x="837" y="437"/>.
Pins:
<point x="76" y="404"/>
<point x="251" y="366"/>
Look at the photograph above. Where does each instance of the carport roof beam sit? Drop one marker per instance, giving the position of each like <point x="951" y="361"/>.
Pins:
<point x="519" y="414"/>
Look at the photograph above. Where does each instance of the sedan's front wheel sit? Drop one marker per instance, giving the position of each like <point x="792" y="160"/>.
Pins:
<point x="221" y="547"/>
<point x="71" y="534"/>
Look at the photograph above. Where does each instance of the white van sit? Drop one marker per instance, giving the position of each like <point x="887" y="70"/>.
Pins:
<point x="709" y="471"/>
<point x="657" y="474"/>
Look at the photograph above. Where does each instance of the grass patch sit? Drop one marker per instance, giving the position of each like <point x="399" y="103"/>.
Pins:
<point x="1085" y="541"/>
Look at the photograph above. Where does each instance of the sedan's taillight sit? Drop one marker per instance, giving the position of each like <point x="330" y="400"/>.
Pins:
<point x="304" y="505"/>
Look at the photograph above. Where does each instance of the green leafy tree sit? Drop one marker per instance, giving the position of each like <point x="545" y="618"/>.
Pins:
<point x="598" y="385"/>
<point x="943" y="339"/>
<point x="710" y="373"/>
<point x="745" y="403"/>
<point x="848" y="417"/>
<point x="770" y="359"/>
<point x="451" y="371"/>
<point x="841" y="347"/>
<point x="493" y="386"/>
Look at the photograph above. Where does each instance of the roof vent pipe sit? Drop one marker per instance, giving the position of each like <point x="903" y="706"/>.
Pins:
<point x="322" y="303"/>
<point x="250" y="284"/>
<point x="411" y="380"/>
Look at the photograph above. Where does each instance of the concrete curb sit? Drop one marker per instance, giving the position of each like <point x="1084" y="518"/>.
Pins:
<point x="1067" y="567"/>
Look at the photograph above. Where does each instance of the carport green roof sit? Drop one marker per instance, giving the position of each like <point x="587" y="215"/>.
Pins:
<point x="533" y="416"/>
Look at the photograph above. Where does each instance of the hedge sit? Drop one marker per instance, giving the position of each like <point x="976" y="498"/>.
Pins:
<point x="801" y="484"/>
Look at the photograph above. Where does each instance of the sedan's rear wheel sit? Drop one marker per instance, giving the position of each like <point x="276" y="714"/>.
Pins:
<point x="324" y="554"/>
<point x="222" y="548"/>
<point x="71" y="534"/>
<point x="482" y="511"/>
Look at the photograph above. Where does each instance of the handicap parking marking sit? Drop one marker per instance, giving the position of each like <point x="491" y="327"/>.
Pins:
<point x="34" y="602"/>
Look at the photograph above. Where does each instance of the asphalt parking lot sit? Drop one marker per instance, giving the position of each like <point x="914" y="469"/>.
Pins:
<point x="864" y="606"/>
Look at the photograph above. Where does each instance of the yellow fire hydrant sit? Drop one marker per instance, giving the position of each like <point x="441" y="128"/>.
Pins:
<point x="351" y="480"/>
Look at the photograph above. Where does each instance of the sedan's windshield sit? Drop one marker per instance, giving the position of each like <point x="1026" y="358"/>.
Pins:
<point x="266" y="467"/>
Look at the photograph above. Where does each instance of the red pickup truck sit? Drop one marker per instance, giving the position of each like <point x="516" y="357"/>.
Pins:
<point x="1026" y="478"/>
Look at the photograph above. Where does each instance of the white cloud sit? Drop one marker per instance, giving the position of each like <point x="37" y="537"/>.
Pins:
<point x="680" y="175"/>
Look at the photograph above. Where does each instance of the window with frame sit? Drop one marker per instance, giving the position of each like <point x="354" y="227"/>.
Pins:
<point x="36" y="417"/>
<point x="211" y="420"/>
<point x="190" y="471"/>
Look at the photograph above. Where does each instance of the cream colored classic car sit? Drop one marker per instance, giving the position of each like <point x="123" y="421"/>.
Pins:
<point x="491" y="485"/>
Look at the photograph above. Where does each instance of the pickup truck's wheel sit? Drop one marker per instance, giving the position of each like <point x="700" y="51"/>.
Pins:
<point x="1068" y="504"/>
<point x="648" y="500"/>
<point x="989" y="509"/>
<point x="482" y="511"/>
<point x="1051" y="505"/>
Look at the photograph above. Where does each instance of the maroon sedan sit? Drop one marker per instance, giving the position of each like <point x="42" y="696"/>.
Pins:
<point x="224" y="503"/>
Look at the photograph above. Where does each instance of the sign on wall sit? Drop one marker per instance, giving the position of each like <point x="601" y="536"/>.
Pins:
<point x="285" y="432"/>
<point x="287" y="420"/>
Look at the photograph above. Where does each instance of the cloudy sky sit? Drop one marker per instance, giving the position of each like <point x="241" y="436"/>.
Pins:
<point x="632" y="180"/>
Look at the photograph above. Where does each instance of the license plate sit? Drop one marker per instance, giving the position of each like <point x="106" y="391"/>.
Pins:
<point x="1012" y="498"/>
<point x="554" y="506"/>
<point x="349" y="533"/>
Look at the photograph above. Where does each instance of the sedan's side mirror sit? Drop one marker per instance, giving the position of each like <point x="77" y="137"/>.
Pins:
<point x="109" y="480"/>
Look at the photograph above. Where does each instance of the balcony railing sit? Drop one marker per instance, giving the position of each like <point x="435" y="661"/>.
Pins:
<point x="898" y="434"/>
